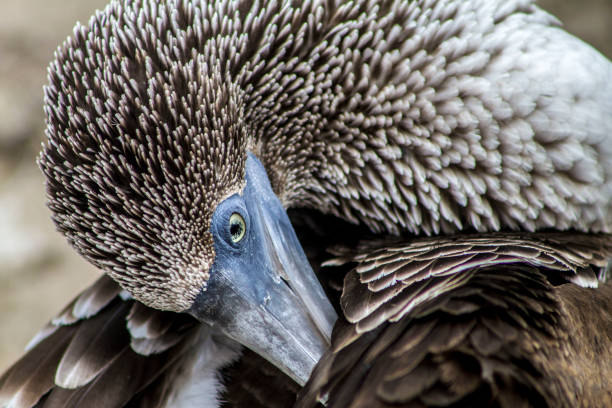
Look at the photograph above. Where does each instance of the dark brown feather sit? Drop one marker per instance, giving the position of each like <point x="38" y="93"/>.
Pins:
<point x="33" y="375"/>
<point x="431" y="259"/>
<point x="94" y="346"/>
<point x="510" y="334"/>
<point x="143" y="323"/>
<point x="254" y="382"/>
<point x="151" y="330"/>
<point x="125" y="377"/>
<point x="89" y="350"/>
<point x="89" y="302"/>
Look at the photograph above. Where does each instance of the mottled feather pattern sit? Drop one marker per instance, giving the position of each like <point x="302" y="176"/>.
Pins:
<point x="419" y="116"/>
<point x="125" y="174"/>
<point x="92" y="347"/>
<point x="503" y="334"/>
<point x="427" y="119"/>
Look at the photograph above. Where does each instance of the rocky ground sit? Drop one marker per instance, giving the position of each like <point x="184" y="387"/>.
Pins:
<point x="38" y="271"/>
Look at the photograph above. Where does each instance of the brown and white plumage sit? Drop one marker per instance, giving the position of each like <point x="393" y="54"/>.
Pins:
<point x="422" y="117"/>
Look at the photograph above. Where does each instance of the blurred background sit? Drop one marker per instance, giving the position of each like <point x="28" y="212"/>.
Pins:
<point x="39" y="273"/>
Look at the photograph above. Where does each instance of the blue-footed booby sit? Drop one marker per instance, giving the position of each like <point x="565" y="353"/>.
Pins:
<point x="446" y="165"/>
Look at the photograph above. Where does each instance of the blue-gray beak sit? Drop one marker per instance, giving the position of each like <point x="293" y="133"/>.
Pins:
<point x="262" y="291"/>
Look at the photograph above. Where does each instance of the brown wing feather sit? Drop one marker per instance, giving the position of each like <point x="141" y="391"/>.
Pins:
<point x="94" y="346"/>
<point x="145" y="324"/>
<point x="32" y="376"/>
<point x="86" y="304"/>
<point x="84" y="356"/>
<point x="125" y="377"/>
<point x="389" y="272"/>
<point x="102" y="338"/>
<point x="507" y="333"/>
<point x="152" y="332"/>
<point x="89" y="302"/>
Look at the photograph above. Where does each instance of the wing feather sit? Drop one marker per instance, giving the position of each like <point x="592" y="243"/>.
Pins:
<point x="89" y="302"/>
<point x="125" y="377"/>
<point x="387" y="273"/>
<point x="32" y="376"/>
<point x="466" y="320"/>
<point x="103" y="349"/>
<point x="94" y="346"/>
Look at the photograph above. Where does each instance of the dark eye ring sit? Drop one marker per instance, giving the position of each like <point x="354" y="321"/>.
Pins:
<point x="237" y="228"/>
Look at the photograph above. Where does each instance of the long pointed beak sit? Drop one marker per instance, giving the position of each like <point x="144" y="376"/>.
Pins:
<point x="289" y="260"/>
<point x="269" y="298"/>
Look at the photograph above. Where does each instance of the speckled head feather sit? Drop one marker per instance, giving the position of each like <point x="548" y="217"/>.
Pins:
<point x="420" y="116"/>
<point x="145" y="139"/>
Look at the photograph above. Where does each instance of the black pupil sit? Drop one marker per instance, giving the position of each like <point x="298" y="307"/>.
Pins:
<point x="235" y="229"/>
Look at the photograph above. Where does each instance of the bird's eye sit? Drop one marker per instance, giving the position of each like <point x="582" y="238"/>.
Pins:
<point x="237" y="227"/>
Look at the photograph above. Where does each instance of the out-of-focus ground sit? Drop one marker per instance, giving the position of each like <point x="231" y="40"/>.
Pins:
<point x="39" y="273"/>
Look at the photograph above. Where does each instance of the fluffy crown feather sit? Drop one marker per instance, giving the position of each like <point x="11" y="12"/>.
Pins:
<point x="420" y="116"/>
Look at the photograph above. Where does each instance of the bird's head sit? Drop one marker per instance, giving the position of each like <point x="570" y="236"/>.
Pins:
<point x="152" y="175"/>
<point x="179" y="131"/>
